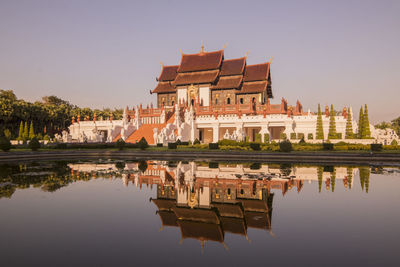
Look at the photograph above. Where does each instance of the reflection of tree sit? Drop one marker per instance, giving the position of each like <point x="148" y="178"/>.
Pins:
<point x="7" y="190"/>
<point x="364" y="177"/>
<point x="142" y="166"/>
<point x="286" y="169"/>
<point x="333" y="179"/>
<point x="320" y="172"/>
<point x="350" y="176"/>
<point x="120" y="165"/>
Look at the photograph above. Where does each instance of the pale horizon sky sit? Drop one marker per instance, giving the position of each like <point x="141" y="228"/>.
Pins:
<point x="107" y="53"/>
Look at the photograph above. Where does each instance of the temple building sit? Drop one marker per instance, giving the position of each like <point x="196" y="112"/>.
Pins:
<point x="210" y="98"/>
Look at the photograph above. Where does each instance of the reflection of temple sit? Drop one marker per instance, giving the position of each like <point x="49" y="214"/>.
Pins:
<point x="206" y="202"/>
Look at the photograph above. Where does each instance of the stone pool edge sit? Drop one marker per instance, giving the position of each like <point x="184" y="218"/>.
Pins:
<point x="311" y="157"/>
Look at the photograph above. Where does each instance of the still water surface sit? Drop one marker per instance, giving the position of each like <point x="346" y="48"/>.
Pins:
<point x="153" y="213"/>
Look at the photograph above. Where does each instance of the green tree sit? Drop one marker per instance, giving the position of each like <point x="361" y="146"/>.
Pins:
<point x="332" y="125"/>
<point x="366" y="132"/>
<point x="360" y="123"/>
<point x="25" y="135"/>
<point x="320" y="129"/>
<point x="7" y="134"/>
<point x="21" y="132"/>
<point x="349" y="126"/>
<point x="31" y="131"/>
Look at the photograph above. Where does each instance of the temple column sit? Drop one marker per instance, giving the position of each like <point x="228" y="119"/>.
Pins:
<point x="264" y="130"/>
<point x="215" y="133"/>
<point x="239" y="131"/>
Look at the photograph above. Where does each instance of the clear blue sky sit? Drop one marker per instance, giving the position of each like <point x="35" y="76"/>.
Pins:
<point x="108" y="53"/>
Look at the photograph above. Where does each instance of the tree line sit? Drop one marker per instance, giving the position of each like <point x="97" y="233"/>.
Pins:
<point x="49" y="116"/>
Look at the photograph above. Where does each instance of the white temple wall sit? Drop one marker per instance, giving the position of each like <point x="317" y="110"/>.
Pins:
<point x="182" y="94"/>
<point x="204" y="94"/>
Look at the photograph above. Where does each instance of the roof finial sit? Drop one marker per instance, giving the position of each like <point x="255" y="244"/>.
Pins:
<point x="180" y="50"/>
<point x="162" y="64"/>
<point x="225" y="45"/>
<point x="247" y="53"/>
<point x="270" y="60"/>
<point x="202" y="47"/>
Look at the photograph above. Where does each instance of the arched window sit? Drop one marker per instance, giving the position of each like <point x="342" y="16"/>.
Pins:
<point x="228" y="101"/>
<point x="241" y="100"/>
<point x="192" y="102"/>
<point x="172" y="103"/>
<point x="216" y="101"/>
<point x="253" y="100"/>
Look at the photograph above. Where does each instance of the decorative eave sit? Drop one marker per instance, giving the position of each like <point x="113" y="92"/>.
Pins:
<point x="164" y="87"/>
<point x="228" y="82"/>
<point x="257" y="72"/>
<point x="199" y="77"/>
<point x="168" y="73"/>
<point x="253" y="87"/>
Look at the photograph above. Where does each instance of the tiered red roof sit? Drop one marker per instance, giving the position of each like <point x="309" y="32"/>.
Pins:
<point x="211" y="68"/>
<point x="201" y="61"/>
<point x="168" y="73"/>
<point x="196" y="77"/>
<point x="233" y="66"/>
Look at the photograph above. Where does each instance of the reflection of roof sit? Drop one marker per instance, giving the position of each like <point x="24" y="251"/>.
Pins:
<point x="201" y="215"/>
<point x="257" y="220"/>
<point x="233" y="225"/>
<point x="164" y="204"/>
<point x="201" y="231"/>
<point x="201" y="61"/>
<point x="168" y="218"/>
<point x="229" y="210"/>
<point x="196" y="77"/>
<point x="254" y="205"/>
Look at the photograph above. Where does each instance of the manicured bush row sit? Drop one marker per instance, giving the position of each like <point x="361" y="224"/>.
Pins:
<point x="213" y="146"/>
<point x="172" y="145"/>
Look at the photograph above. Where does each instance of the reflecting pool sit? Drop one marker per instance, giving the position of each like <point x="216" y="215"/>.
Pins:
<point x="153" y="213"/>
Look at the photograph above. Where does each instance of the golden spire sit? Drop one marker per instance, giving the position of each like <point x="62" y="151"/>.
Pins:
<point x="225" y="45"/>
<point x="270" y="60"/>
<point x="247" y="53"/>
<point x="180" y="50"/>
<point x="162" y="64"/>
<point x="202" y="47"/>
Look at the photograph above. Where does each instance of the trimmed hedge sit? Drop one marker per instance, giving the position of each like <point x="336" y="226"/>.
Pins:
<point x="34" y="144"/>
<point x="293" y="136"/>
<point x="172" y="145"/>
<point x="213" y="146"/>
<point x="255" y="146"/>
<point x="376" y="147"/>
<point x="159" y="145"/>
<point x="120" y="144"/>
<point x="310" y="136"/>
<point x="285" y="146"/>
<point x="5" y="144"/>
<point x="327" y="146"/>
